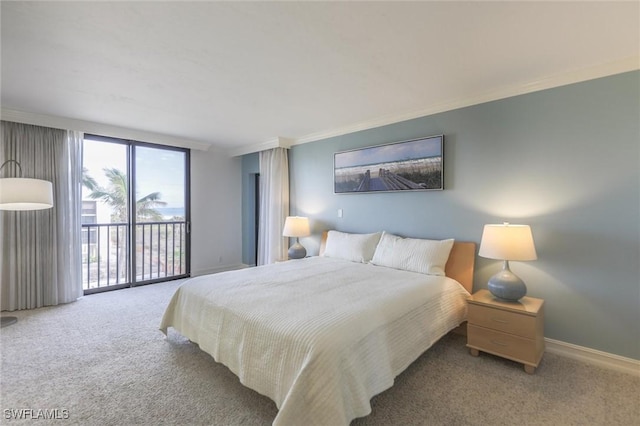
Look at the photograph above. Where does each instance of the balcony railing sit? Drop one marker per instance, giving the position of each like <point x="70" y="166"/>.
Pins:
<point x="160" y="252"/>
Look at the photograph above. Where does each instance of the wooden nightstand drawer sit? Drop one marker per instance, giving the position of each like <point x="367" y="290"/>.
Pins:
<point x="513" y="330"/>
<point x="501" y="320"/>
<point x="506" y="345"/>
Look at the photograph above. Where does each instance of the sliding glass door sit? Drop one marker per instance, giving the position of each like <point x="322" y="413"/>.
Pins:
<point x="135" y="213"/>
<point x="105" y="214"/>
<point x="160" y="219"/>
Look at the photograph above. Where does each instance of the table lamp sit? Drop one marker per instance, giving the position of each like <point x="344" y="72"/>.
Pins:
<point x="296" y="226"/>
<point x="507" y="242"/>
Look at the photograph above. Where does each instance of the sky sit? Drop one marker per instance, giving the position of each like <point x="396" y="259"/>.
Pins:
<point x="157" y="170"/>
<point x="419" y="148"/>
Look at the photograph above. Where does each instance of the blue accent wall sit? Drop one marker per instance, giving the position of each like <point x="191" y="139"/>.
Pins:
<point x="565" y="161"/>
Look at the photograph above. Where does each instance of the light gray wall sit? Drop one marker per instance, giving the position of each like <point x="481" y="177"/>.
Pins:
<point x="216" y="194"/>
<point x="565" y="161"/>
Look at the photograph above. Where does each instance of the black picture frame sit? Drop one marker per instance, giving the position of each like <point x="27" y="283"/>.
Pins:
<point x="412" y="165"/>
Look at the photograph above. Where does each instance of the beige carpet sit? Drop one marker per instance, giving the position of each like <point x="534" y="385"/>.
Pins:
<point x="102" y="361"/>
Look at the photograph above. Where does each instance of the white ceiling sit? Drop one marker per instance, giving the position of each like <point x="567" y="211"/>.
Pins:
<point x="238" y="75"/>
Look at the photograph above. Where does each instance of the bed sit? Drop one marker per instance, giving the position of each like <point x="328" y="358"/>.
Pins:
<point x="321" y="336"/>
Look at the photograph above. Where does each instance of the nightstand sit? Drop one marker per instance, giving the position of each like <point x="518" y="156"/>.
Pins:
<point x="512" y="330"/>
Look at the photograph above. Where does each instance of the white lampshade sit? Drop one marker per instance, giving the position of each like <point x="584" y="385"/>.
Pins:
<point x="25" y="194"/>
<point x="507" y="242"/>
<point x="296" y="226"/>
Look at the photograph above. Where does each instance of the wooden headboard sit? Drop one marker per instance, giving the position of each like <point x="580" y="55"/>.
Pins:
<point x="460" y="265"/>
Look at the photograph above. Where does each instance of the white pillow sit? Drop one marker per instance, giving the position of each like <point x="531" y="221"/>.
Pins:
<point x="353" y="247"/>
<point x="411" y="254"/>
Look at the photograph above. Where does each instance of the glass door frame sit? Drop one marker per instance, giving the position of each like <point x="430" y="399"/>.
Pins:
<point x="187" y="211"/>
<point x="131" y="211"/>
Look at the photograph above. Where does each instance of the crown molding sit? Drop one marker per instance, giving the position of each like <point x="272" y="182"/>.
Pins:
<point x="99" y="129"/>
<point x="277" y="142"/>
<point x="576" y="76"/>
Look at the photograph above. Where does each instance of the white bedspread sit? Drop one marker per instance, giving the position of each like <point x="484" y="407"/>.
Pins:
<point x="319" y="336"/>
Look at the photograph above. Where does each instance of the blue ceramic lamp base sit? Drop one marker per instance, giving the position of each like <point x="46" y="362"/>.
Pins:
<point x="297" y="251"/>
<point x="506" y="285"/>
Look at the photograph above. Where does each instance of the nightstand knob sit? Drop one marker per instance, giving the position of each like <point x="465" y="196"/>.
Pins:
<point x="501" y="321"/>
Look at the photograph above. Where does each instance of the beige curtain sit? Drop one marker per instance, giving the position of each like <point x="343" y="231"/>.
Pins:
<point x="41" y="250"/>
<point x="274" y="205"/>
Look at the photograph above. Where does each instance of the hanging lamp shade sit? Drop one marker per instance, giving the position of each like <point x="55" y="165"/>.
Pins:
<point x="25" y="194"/>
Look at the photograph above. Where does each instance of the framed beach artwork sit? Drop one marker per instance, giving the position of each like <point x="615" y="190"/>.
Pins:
<point x="414" y="165"/>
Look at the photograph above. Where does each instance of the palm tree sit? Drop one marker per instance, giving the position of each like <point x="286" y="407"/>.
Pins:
<point x="115" y="195"/>
<point x="88" y="181"/>
<point x="145" y="207"/>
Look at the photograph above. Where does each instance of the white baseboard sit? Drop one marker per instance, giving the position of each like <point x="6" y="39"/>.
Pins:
<point x="593" y="356"/>
<point x="217" y="269"/>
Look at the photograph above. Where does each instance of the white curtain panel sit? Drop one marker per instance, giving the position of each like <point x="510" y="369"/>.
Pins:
<point x="274" y="205"/>
<point x="41" y="249"/>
